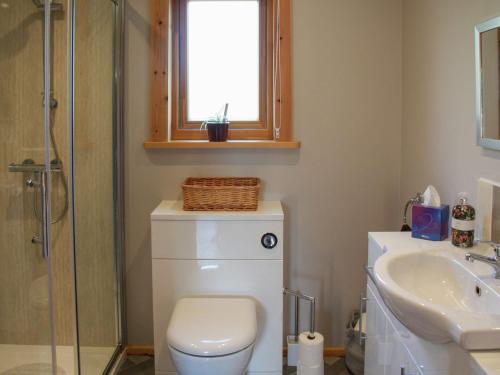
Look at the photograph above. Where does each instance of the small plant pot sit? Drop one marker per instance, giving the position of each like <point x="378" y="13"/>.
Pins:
<point x="217" y="131"/>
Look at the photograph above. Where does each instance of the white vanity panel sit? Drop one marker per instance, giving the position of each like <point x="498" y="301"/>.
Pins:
<point x="376" y="326"/>
<point x="384" y="352"/>
<point x="399" y="359"/>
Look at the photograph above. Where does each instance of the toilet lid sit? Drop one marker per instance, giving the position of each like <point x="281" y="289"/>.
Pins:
<point x="210" y="327"/>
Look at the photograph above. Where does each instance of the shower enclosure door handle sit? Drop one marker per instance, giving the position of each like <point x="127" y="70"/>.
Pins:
<point x="45" y="214"/>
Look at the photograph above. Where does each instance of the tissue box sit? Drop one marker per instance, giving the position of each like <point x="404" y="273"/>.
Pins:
<point x="430" y="223"/>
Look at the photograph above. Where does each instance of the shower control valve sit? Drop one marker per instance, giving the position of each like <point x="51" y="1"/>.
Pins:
<point x="30" y="182"/>
<point x="36" y="240"/>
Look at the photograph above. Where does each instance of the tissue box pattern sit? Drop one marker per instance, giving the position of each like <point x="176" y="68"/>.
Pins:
<point x="430" y="223"/>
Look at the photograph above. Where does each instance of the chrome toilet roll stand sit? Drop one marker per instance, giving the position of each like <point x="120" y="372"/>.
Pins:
<point x="298" y="295"/>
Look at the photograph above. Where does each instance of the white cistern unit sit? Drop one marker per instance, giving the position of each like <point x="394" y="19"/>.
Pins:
<point x="217" y="290"/>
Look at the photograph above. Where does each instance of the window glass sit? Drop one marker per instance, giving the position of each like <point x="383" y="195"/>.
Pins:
<point x="223" y="59"/>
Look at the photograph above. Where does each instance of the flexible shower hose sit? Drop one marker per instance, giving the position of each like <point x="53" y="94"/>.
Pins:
<point x="63" y="180"/>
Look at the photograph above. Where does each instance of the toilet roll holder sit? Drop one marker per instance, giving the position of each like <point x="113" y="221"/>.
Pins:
<point x="298" y="295"/>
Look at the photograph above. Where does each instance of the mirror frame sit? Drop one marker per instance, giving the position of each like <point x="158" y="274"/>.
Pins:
<point x="482" y="141"/>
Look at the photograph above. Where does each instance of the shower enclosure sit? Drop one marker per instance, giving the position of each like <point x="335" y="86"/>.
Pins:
<point x="61" y="290"/>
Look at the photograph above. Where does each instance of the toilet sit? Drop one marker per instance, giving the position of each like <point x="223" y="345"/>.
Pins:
<point x="217" y="290"/>
<point x="212" y="336"/>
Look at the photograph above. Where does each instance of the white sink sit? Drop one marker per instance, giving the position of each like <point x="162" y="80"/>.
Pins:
<point x="437" y="296"/>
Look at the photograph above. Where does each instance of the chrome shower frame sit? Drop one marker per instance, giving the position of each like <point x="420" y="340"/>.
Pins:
<point x="47" y="206"/>
<point x="119" y="176"/>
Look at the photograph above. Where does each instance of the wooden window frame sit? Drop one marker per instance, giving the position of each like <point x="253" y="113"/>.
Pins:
<point x="169" y="70"/>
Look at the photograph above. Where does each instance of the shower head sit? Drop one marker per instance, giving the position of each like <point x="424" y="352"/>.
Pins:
<point x="54" y="7"/>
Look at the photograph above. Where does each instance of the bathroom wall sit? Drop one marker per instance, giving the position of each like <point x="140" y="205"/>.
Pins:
<point x="342" y="183"/>
<point x="439" y="130"/>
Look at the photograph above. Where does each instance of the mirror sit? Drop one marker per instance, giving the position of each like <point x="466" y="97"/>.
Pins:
<point x="495" y="216"/>
<point x="488" y="83"/>
<point x="488" y="210"/>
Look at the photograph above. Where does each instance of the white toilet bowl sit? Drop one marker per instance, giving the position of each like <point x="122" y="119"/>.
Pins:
<point x="212" y="336"/>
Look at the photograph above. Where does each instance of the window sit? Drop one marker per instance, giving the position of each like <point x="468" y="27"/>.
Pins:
<point x="223" y="59"/>
<point x="206" y="53"/>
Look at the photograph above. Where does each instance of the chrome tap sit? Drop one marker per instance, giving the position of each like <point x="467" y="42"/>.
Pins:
<point x="493" y="261"/>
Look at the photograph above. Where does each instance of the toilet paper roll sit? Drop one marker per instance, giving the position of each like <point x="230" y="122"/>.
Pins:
<point x="310" y="355"/>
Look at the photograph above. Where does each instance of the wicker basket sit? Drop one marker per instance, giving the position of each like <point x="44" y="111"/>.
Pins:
<point x="221" y="193"/>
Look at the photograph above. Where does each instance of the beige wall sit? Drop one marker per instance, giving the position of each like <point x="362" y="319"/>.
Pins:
<point x="439" y="132"/>
<point x="342" y="183"/>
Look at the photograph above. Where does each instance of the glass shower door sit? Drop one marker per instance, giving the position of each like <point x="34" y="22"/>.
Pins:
<point x="59" y="236"/>
<point x="95" y="182"/>
<point x="26" y="173"/>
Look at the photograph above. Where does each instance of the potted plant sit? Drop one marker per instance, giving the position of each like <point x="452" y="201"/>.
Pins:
<point x="217" y="127"/>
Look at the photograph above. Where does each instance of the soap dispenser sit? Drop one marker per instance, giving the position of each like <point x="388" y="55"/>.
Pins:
<point x="463" y="219"/>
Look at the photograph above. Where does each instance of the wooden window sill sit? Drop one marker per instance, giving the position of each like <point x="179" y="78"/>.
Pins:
<point x="152" y="145"/>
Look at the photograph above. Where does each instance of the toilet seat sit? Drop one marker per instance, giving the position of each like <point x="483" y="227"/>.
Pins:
<point x="212" y="327"/>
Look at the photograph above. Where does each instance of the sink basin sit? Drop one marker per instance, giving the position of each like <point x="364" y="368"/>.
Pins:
<point x="438" y="297"/>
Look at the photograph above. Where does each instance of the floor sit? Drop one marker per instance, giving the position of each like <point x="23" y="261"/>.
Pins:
<point x="37" y="359"/>
<point x="144" y="365"/>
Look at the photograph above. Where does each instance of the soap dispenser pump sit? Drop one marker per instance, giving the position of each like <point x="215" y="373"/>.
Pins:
<point x="463" y="219"/>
